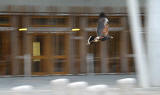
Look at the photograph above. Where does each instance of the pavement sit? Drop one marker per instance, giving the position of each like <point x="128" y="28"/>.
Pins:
<point x="43" y="82"/>
<point x="42" y="85"/>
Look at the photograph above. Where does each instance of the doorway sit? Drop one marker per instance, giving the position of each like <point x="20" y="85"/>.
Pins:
<point x="50" y="53"/>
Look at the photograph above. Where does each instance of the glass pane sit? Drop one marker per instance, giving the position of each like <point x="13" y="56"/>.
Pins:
<point x="58" y="21"/>
<point x="59" y="44"/>
<point x="59" y="65"/>
<point x="114" y="65"/>
<point x="39" y="21"/>
<point x="130" y="47"/>
<point x="131" y="64"/>
<point x="4" y="20"/>
<point x="97" y="65"/>
<point x="113" y="45"/>
<point x="114" y="21"/>
<point x="38" y="65"/>
<point x="76" y="48"/>
<point x="92" y="21"/>
<point x="113" y="52"/>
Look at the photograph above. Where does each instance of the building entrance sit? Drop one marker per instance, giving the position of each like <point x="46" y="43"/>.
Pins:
<point x="49" y="53"/>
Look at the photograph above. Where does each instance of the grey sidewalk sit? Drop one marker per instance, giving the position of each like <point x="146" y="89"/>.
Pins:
<point x="42" y="85"/>
<point x="43" y="82"/>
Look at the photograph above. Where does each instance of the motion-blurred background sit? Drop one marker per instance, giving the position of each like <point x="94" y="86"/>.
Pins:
<point x="36" y="37"/>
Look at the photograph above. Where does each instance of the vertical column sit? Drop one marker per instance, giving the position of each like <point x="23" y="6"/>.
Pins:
<point x="138" y="43"/>
<point x="47" y="53"/>
<point x="15" y="47"/>
<point x="123" y="47"/>
<point x="67" y="50"/>
<point x="71" y="47"/>
<point x="90" y="64"/>
<point x="27" y="65"/>
<point x="103" y="54"/>
<point x="153" y="41"/>
<point x="83" y="49"/>
<point x="71" y="55"/>
<point x="27" y="46"/>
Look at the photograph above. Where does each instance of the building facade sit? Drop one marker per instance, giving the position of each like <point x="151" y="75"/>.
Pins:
<point x="49" y="46"/>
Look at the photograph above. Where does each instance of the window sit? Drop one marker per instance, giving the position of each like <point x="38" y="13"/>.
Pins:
<point x="92" y="21"/>
<point x="114" y="21"/>
<point x="131" y="64"/>
<point x="113" y="46"/>
<point x="50" y="21"/>
<point x="59" y="44"/>
<point x="59" y="65"/>
<point x="39" y="21"/>
<point x="114" y="65"/>
<point x="36" y="65"/>
<point x="58" y="21"/>
<point x="4" y="21"/>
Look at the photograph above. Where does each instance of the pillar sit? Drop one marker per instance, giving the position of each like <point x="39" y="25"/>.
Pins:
<point x="123" y="47"/>
<point x="103" y="56"/>
<point x="15" y="47"/>
<point x="27" y="46"/>
<point x="138" y="43"/>
<point x="83" y="49"/>
<point x="47" y="51"/>
<point x="153" y="27"/>
<point x="71" y="48"/>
